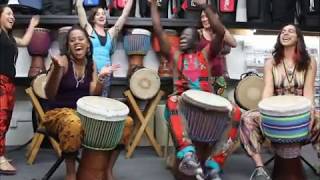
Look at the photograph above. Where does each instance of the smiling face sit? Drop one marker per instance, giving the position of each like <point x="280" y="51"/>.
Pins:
<point x="7" y="19"/>
<point x="188" y="39"/>
<point x="78" y="44"/>
<point x="204" y="20"/>
<point x="100" y="17"/>
<point x="288" y="36"/>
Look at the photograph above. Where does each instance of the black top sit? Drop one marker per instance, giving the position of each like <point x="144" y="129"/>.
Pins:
<point x="8" y="55"/>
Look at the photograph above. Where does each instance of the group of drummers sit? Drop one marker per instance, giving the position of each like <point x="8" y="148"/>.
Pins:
<point x="78" y="84"/>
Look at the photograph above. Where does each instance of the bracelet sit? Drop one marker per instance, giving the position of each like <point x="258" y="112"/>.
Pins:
<point x="101" y="79"/>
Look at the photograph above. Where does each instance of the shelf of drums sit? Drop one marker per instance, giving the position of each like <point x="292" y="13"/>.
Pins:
<point x="56" y="20"/>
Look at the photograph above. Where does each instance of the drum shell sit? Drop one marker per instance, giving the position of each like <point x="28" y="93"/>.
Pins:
<point x="101" y="135"/>
<point x="40" y="42"/>
<point x="26" y="6"/>
<point x="137" y="44"/>
<point x="62" y="36"/>
<point x="38" y="85"/>
<point x="203" y="125"/>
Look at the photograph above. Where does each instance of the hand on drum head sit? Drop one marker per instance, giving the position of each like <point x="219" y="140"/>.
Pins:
<point x="35" y="21"/>
<point x="107" y="70"/>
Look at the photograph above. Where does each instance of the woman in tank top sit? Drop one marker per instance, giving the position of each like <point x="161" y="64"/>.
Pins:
<point x="8" y="57"/>
<point x="290" y="71"/>
<point x="71" y="77"/>
<point x="102" y="46"/>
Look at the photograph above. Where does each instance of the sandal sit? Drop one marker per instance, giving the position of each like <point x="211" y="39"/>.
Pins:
<point x="6" y="163"/>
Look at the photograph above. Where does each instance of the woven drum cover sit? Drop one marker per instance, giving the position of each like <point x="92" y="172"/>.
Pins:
<point x="248" y="92"/>
<point x="287" y="105"/>
<point x="144" y="83"/>
<point x="38" y="85"/>
<point x="102" y="108"/>
<point x="206" y="100"/>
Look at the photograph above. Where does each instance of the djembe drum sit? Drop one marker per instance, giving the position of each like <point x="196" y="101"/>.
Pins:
<point x="136" y="44"/>
<point x="248" y="91"/>
<point x="103" y="120"/>
<point x="38" y="49"/>
<point x="165" y="68"/>
<point x="285" y="122"/>
<point x="62" y="36"/>
<point x="144" y="83"/>
<point x="38" y="84"/>
<point x="207" y="117"/>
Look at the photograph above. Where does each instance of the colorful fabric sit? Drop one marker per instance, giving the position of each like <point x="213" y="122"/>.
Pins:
<point x="7" y="99"/>
<point x="66" y="125"/>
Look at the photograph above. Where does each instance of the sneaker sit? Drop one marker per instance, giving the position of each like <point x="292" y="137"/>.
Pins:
<point x="260" y="174"/>
<point x="189" y="165"/>
<point x="212" y="170"/>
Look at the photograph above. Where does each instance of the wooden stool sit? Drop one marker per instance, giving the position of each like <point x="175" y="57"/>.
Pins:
<point x="38" y="137"/>
<point x="288" y="169"/>
<point x="144" y="120"/>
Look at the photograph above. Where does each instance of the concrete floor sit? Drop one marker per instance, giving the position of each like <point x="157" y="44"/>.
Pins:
<point x="144" y="165"/>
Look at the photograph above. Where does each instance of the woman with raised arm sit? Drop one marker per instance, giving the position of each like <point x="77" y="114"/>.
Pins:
<point x="102" y="45"/>
<point x="290" y="71"/>
<point x="8" y="57"/>
<point x="193" y="73"/>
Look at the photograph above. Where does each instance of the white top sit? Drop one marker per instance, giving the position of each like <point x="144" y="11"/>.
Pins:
<point x="287" y="105"/>
<point x="102" y="108"/>
<point x="207" y="100"/>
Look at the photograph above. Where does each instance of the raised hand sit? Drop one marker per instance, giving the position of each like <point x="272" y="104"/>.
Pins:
<point x="56" y="60"/>
<point x="35" y="20"/>
<point x="107" y="70"/>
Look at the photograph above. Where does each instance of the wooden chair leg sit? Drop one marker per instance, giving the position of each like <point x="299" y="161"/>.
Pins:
<point x="35" y="149"/>
<point x="55" y="145"/>
<point x="32" y="144"/>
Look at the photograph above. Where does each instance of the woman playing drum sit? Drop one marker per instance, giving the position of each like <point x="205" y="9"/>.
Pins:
<point x="290" y="71"/>
<point x="102" y="45"/>
<point x="71" y="77"/>
<point x="194" y="73"/>
<point x="8" y="57"/>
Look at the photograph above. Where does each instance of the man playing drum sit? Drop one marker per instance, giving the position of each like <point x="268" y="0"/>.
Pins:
<point x="193" y="73"/>
<point x="290" y="71"/>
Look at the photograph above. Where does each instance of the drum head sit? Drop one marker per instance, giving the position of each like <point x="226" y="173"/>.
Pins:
<point x="248" y="92"/>
<point x="102" y="108"/>
<point x="207" y="100"/>
<point x="38" y="85"/>
<point x="288" y="105"/>
<point x="144" y="83"/>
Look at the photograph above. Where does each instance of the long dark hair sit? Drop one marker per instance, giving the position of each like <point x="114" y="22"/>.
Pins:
<point x="89" y="54"/>
<point x="301" y="55"/>
<point x="92" y="14"/>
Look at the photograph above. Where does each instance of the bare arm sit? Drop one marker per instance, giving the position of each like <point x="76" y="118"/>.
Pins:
<point x="58" y="68"/>
<point x="114" y="30"/>
<point x="308" y="90"/>
<point x="229" y="39"/>
<point x="25" y="40"/>
<point x="83" y="17"/>
<point x="98" y="80"/>
<point x="268" y="89"/>
<point x="164" y="44"/>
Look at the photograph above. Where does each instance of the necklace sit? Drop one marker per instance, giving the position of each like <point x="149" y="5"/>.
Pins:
<point x="289" y="73"/>
<point x="78" y="80"/>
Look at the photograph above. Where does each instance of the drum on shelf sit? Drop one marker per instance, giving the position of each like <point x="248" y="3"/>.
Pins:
<point x="62" y="36"/>
<point x="38" y="49"/>
<point x="285" y="122"/>
<point x="137" y="42"/>
<point x="248" y="92"/>
<point x="165" y="68"/>
<point x="40" y="42"/>
<point x="207" y="115"/>
<point x="103" y="121"/>
<point x="144" y="83"/>
<point x="38" y="84"/>
<point x="118" y="5"/>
